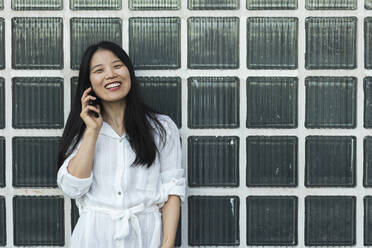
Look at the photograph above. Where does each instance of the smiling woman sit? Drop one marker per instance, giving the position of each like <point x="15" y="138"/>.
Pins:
<point x="123" y="165"/>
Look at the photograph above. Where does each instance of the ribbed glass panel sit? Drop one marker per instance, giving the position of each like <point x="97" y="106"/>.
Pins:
<point x="1" y="5"/>
<point x="2" y="43"/>
<point x="272" y="220"/>
<point x="38" y="220"/>
<point x="213" y="102"/>
<point x="2" y="103"/>
<point x="331" y="42"/>
<point x="330" y="102"/>
<point x="213" y="220"/>
<point x="34" y="160"/>
<point x="367" y="160"/>
<point x="212" y="4"/>
<point x="272" y="42"/>
<point x="74" y="214"/>
<point x="37" y="43"/>
<point x="2" y="221"/>
<point x="367" y="102"/>
<point x="270" y="4"/>
<point x="330" y="220"/>
<point x="272" y="102"/>
<point x="272" y="161"/>
<point x="213" y="161"/>
<point x="154" y="4"/>
<point x="88" y="31"/>
<point x="367" y="220"/>
<point x="213" y="43"/>
<point x="2" y="162"/>
<point x="163" y="94"/>
<point x="37" y="102"/>
<point x="155" y="42"/>
<point x="368" y="4"/>
<point x="330" y="161"/>
<point x="95" y="4"/>
<point x="74" y="83"/>
<point x="368" y="42"/>
<point x="37" y="4"/>
<point x="331" y="4"/>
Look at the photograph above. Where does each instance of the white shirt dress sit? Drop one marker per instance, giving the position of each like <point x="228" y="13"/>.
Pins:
<point x="119" y="204"/>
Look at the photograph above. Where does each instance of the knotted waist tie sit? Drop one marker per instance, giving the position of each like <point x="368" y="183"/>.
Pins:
<point x="122" y="218"/>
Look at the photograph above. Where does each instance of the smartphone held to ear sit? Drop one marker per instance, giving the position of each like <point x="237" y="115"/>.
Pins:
<point x="93" y="102"/>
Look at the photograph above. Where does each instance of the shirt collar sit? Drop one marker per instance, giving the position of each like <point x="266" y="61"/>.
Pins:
<point x="109" y="131"/>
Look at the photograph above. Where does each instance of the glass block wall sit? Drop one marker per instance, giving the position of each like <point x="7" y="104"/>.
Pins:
<point x="273" y="99"/>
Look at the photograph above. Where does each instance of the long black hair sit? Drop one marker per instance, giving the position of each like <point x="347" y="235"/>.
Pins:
<point x="137" y="114"/>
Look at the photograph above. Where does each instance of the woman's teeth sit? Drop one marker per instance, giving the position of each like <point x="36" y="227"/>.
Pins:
<point x="112" y="85"/>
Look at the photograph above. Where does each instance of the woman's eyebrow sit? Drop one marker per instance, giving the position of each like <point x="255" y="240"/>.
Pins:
<point x="118" y="60"/>
<point x="95" y="66"/>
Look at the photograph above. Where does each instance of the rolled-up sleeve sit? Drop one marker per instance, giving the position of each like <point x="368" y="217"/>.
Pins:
<point x="171" y="171"/>
<point x="70" y="185"/>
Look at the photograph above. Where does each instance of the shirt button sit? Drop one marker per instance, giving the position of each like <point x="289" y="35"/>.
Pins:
<point x="119" y="193"/>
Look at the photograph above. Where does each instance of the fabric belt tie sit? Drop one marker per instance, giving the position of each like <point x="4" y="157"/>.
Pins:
<point x="122" y="218"/>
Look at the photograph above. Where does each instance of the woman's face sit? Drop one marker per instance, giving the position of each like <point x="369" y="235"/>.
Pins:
<point x="109" y="76"/>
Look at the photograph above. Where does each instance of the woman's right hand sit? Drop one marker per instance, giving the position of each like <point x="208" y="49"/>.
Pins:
<point x="91" y="122"/>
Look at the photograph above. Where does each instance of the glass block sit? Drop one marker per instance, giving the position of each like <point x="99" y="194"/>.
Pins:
<point x="272" y="42"/>
<point x="367" y="102"/>
<point x="95" y="4"/>
<point x="368" y="4"/>
<point x="74" y="215"/>
<point x="37" y="5"/>
<point x="330" y="220"/>
<point x="331" y="4"/>
<point x="155" y="42"/>
<point x="330" y="161"/>
<point x="268" y="5"/>
<point x="2" y="221"/>
<point x="367" y="152"/>
<point x="2" y="103"/>
<point x="37" y="43"/>
<point x="213" y="220"/>
<point x="212" y="4"/>
<point x="272" y="102"/>
<point x="2" y="162"/>
<point x="2" y="43"/>
<point x="272" y="220"/>
<point x="34" y="161"/>
<point x="74" y="83"/>
<point x="330" y="102"/>
<point x="213" y="161"/>
<point x="37" y="102"/>
<point x="367" y="220"/>
<point x="163" y="94"/>
<point x="331" y="42"/>
<point x="213" y="102"/>
<point x="272" y="161"/>
<point x="154" y="4"/>
<point x="38" y="220"/>
<point x="89" y="31"/>
<point x="213" y="42"/>
<point x="368" y="42"/>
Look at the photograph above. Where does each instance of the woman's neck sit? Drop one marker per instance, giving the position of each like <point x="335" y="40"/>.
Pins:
<point x="114" y="114"/>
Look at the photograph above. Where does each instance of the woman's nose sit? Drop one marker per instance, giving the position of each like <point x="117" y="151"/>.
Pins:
<point x="110" y="73"/>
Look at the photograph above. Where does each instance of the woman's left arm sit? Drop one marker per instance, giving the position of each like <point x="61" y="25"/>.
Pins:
<point x="172" y="190"/>
<point x="170" y="215"/>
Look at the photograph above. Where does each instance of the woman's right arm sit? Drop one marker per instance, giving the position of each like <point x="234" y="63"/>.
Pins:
<point x="75" y="175"/>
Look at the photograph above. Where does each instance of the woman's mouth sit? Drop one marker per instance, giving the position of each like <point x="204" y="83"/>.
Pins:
<point x="113" y="86"/>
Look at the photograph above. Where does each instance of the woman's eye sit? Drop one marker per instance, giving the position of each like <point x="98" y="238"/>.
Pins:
<point x="118" y="66"/>
<point x="99" y="70"/>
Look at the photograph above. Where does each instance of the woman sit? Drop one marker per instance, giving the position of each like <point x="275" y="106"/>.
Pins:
<point x="119" y="159"/>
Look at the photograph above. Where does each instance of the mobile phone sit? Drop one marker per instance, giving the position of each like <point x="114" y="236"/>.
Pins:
<point x="93" y="102"/>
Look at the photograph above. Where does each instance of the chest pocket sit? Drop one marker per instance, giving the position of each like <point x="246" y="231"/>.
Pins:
<point x="144" y="178"/>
